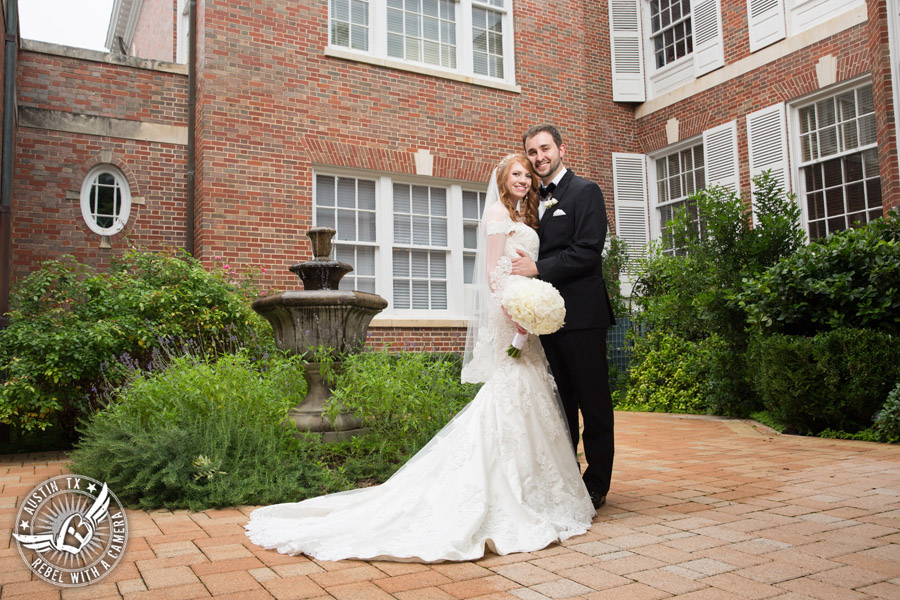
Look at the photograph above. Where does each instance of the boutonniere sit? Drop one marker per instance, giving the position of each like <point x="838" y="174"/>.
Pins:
<point x="550" y="203"/>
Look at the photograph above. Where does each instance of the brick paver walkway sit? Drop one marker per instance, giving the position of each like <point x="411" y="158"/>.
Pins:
<point x="701" y="509"/>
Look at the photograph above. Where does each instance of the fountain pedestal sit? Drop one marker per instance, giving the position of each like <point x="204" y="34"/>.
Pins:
<point x="321" y="316"/>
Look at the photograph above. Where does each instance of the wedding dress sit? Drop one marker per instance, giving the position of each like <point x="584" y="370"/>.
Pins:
<point x="500" y="476"/>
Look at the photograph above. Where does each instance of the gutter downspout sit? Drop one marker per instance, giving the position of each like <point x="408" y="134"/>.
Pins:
<point x="9" y="146"/>
<point x="192" y="122"/>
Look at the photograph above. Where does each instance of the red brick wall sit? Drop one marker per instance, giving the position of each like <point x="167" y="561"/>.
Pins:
<point x="51" y="165"/>
<point x="2" y="73"/>
<point x="878" y="47"/>
<point x="280" y="106"/>
<point x="417" y="339"/>
<point x="153" y="35"/>
<point x="101" y="89"/>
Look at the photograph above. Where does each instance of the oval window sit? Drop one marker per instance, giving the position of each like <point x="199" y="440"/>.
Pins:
<point x="105" y="200"/>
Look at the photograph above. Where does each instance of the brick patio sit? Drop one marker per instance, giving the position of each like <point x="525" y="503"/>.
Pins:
<point x="701" y="508"/>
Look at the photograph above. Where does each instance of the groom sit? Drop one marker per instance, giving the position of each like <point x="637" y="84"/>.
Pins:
<point x="572" y="234"/>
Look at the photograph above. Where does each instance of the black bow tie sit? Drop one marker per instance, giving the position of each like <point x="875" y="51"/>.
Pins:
<point x="546" y="191"/>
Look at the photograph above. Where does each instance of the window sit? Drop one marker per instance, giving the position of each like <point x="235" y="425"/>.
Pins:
<point x="408" y="241"/>
<point x="467" y="37"/>
<point x="422" y="31"/>
<point x="420" y="224"/>
<point x="350" y="24"/>
<point x="487" y="29"/>
<point x="105" y="200"/>
<point x="473" y="208"/>
<point x="679" y="175"/>
<point x="347" y="204"/>
<point x="682" y="40"/>
<point x="670" y="22"/>
<point x="839" y="162"/>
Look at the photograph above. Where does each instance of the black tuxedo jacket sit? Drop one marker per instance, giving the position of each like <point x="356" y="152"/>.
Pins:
<point x="572" y="234"/>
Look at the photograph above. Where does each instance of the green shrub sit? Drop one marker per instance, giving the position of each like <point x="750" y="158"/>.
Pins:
<point x="835" y="380"/>
<point x="692" y="294"/>
<point x="69" y="324"/>
<point x="727" y="390"/>
<point x="615" y="261"/>
<point x="668" y="375"/>
<point x="406" y="397"/>
<point x="203" y="434"/>
<point x="848" y="279"/>
<point x="198" y="433"/>
<point x="887" y="421"/>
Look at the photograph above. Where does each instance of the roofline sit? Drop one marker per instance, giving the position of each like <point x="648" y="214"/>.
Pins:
<point x="122" y="22"/>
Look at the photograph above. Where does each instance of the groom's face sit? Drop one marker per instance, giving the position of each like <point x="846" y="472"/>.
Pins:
<point x="545" y="156"/>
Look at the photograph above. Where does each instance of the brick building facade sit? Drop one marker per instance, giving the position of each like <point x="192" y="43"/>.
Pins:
<point x="384" y="120"/>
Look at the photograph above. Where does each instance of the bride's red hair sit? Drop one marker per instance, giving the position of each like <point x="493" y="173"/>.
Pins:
<point x="529" y="207"/>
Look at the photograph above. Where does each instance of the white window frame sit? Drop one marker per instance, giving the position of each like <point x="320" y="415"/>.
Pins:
<point x="464" y="71"/>
<point x="796" y="154"/>
<point x="120" y="220"/>
<point x="653" y="176"/>
<point x="674" y="74"/>
<point x="707" y="48"/>
<point x="384" y="244"/>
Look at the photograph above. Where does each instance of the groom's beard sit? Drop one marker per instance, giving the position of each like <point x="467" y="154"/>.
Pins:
<point x="549" y="169"/>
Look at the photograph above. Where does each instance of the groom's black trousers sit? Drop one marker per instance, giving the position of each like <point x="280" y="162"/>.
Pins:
<point x="578" y="361"/>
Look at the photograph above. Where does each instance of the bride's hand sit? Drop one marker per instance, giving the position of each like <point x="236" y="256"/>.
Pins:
<point x="519" y="328"/>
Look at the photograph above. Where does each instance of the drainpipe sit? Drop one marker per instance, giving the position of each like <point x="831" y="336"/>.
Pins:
<point x="9" y="147"/>
<point x="192" y="121"/>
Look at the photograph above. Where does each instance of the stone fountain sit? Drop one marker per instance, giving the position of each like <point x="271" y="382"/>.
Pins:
<point x="320" y="316"/>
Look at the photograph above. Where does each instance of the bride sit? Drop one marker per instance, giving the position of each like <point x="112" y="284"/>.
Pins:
<point x="501" y="475"/>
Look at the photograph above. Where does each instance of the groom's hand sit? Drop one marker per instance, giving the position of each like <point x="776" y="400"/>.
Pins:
<point x="523" y="265"/>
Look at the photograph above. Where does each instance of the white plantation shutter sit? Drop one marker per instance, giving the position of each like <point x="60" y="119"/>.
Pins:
<point x="720" y="156"/>
<point x="706" y="19"/>
<point x="767" y="144"/>
<point x="765" y="20"/>
<point x="627" y="51"/>
<point x="630" y="201"/>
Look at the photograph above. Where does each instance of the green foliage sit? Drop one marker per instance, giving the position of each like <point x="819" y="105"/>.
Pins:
<point x="199" y="433"/>
<point x="848" y="279"/>
<point x="615" y="260"/>
<point x="887" y="421"/>
<point x="404" y="397"/>
<point x="835" y="380"/>
<point x="866" y="435"/>
<point x="668" y="375"/>
<point x="692" y="294"/>
<point x="203" y="434"/>
<point x="766" y="419"/>
<point x="68" y="321"/>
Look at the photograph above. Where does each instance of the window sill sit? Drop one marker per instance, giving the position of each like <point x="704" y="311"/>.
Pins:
<point x="423" y="322"/>
<point x="422" y="69"/>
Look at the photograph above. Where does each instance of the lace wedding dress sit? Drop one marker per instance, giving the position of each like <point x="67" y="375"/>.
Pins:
<point x="500" y="476"/>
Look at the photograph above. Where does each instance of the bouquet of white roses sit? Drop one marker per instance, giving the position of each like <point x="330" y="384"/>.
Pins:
<point x="536" y="306"/>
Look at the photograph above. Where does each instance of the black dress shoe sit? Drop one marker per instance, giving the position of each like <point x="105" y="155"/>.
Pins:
<point x="597" y="499"/>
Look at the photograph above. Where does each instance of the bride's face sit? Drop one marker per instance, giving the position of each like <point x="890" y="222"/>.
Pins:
<point x="518" y="181"/>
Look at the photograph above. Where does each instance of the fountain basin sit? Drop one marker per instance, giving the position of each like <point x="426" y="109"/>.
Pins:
<point x="336" y="319"/>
